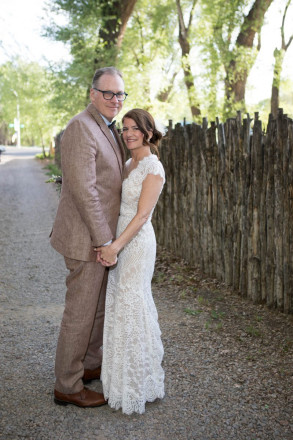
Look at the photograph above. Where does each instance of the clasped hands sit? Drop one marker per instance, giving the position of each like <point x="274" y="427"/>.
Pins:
<point x="106" y="255"/>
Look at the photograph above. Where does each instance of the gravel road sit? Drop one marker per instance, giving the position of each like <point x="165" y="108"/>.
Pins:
<point x="228" y="363"/>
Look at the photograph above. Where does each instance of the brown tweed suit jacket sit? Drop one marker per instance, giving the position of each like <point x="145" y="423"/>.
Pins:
<point x="92" y="165"/>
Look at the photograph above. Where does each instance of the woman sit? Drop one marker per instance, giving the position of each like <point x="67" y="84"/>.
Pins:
<point x="132" y="348"/>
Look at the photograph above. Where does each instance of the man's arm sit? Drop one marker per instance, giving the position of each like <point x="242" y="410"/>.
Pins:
<point x="79" y="172"/>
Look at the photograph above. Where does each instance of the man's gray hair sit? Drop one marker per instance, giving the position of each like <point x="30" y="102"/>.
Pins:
<point x="105" y="71"/>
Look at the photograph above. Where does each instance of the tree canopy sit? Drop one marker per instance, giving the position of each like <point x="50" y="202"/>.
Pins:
<point x="28" y="88"/>
<point x="179" y="58"/>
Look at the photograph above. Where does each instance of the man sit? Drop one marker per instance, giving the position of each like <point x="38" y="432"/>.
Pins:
<point x="92" y="158"/>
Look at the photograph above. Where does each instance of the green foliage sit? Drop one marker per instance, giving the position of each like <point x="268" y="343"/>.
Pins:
<point x="251" y="330"/>
<point x="226" y="58"/>
<point x="150" y="58"/>
<point x="84" y="21"/>
<point x="90" y="32"/>
<point x="43" y="156"/>
<point x="55" y="176"/>
<point x="29" y="86"/>
<point x="53" y="171"/>
<point x="192" y="312"/>
<point x="69" y="95"/>
<point x="151" y="52"/>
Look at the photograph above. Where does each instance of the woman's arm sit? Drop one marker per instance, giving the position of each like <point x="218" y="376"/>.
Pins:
<point x="151" y="188"/>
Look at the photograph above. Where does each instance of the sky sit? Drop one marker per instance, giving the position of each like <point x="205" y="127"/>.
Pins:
<point x="21" y="24"/>
<point x="261" y="75"/>
<point x="21" y="29"/>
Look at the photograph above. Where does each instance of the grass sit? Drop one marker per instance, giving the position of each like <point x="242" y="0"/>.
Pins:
<point x="53" y="170"/>
<point x="250" y="357"/>
<point x="216" y="315"/>
<point x="159" y="277"/>
<point x="55" y="173"/>
<point x="253" y="331"/>
<point x="41" y="156"/>
<point x="214" y="323"/>
<point x="183" y="294"/>
<point x="203" y="301"/>
<point x="259" y="318"/>
<point x="192" y="312"/>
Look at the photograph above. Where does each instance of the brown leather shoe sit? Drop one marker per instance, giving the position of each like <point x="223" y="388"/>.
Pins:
<point x="85" y="398"/>
<point x="90" y="375"/>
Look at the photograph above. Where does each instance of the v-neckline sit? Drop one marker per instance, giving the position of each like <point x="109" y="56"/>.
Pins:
<point x="133" y="169"/>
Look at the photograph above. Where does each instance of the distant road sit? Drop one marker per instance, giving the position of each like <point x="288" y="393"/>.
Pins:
<point x="19" y="153"/>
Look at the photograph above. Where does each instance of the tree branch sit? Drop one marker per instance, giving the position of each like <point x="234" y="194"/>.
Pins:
<point x="191" y="14"/>
<point x="284" y="45"/>
<point x="289" y="42"/>
<point x="127" y="7"/>
<point x="253" y="23"/>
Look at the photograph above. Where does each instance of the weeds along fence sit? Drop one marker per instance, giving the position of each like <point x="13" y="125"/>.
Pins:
<point x="227" y="205"/>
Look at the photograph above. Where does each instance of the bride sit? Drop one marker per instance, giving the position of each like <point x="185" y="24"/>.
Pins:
<point x="132" y="348"/>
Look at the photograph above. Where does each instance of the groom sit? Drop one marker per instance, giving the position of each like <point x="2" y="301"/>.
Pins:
<point x="92" y="159"/>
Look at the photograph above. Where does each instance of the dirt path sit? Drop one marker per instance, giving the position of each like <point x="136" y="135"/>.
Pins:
<point x="228" y="364"/>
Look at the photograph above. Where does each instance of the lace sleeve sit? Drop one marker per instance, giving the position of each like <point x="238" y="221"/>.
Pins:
<point x="154" y="166"/>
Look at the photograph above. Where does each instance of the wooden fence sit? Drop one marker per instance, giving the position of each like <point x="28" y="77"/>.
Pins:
<point x="227" y="205"/>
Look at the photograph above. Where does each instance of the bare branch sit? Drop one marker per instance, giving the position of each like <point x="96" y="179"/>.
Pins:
<point x="289" y="42"/>
<point x="191" y="13"/>
<point x="259" y="41"/>
<point x="183" y="29"/>
<point x="284" y="45"/>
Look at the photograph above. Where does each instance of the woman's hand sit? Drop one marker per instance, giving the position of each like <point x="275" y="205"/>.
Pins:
<point x="106" y="255"/>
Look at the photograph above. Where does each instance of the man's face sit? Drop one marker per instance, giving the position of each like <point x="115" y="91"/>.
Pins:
<point x="108" y="108"/>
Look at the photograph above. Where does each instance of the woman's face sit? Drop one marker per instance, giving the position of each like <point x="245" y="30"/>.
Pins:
<point x="132" y="136"/>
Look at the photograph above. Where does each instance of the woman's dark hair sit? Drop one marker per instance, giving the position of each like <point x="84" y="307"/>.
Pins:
<point x="145" y="122"/>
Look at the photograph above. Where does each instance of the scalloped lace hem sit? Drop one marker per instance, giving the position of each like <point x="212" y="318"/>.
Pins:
<point x="130" y="405"/>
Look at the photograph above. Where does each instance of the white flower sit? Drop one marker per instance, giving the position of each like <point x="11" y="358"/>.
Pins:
<point x="161" y="127"/>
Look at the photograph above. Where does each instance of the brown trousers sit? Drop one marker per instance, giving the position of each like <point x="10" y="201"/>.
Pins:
<point x="81" y="333"/>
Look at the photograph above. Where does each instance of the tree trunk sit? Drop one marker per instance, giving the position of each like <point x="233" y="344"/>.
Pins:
<point x="279" y="57"/>
<point x="238" y="68"/>
<point x="127" y="7"/>
<point x="163" y="95"/>
<point x="185" y="49"/>
<point x="115" y="18"/>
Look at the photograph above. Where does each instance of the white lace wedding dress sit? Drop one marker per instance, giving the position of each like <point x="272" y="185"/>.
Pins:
<point x="132" y="349"/>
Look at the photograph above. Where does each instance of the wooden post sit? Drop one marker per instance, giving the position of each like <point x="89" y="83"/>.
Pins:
<point x="227" y="205"/>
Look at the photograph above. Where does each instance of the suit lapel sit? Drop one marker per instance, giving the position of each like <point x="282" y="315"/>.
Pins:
<point x="118" y="148"/>
<point x="120" y="145"/>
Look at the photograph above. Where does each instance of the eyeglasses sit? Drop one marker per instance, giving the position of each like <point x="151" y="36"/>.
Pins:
<point x="110" y="95"/>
